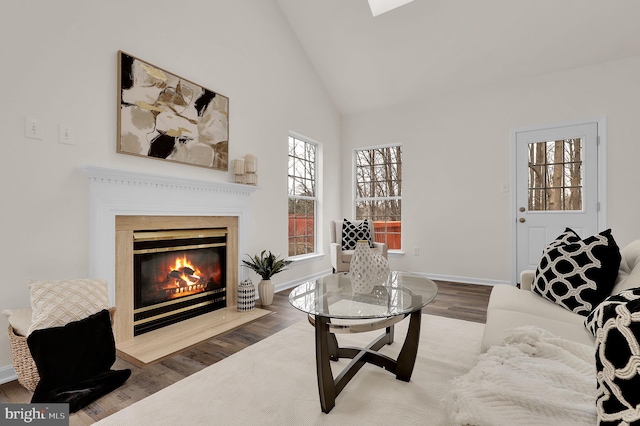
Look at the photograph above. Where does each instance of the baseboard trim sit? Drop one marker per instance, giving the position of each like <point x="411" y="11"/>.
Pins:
<point x="7" y="374"/>
<point x="465" y="280"/>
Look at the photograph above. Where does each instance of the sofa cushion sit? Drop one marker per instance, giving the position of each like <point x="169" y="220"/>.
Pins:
<point x="511" y="298"/>
<point x="629" y="272"/>
<point x="615" y="323"/>
<point x="511" y="307"/>
<point x="578" y="275"/>
<point x="352" y="232"/>
<point x="501" y="321"/>
<point x="347" y="255"/>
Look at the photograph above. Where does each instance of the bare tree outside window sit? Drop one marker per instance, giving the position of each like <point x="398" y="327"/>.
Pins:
<point x="555" y="175"/>
<point x="379" y="192"/>
<point x="302" y="196"/>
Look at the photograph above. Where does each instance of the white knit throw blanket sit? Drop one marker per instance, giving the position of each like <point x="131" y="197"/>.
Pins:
<point x="535" y="378"/>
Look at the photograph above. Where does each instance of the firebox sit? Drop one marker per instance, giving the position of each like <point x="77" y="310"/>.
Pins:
<point x="177" y="274"/>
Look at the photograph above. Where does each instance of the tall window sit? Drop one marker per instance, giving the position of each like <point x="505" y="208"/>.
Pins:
<point x="302" y="196"/>
<point x="379" y="192"/>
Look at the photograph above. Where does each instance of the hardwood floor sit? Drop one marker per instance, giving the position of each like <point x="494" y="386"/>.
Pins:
<point x="462" y="301"/>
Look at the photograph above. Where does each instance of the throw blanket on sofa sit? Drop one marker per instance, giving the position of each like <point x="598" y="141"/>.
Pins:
<point x="535" y="378"/>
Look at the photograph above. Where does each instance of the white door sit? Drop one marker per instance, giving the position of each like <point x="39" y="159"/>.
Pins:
<point x="556" y="173"/>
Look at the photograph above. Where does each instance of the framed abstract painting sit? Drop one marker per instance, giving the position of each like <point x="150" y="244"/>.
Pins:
<point x="163" y="116"/>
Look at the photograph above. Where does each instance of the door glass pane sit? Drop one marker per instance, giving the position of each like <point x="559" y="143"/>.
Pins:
<point x="555" y="175"/>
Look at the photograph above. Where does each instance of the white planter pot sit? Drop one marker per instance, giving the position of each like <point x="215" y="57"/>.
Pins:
<point x="265" y="292"/>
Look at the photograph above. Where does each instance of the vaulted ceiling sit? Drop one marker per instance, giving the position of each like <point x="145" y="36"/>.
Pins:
<point x="429" y="47"/>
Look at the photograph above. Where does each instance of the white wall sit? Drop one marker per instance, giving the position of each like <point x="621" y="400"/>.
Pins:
<point x="456" y="156"/>
<point x="59" y="66"/>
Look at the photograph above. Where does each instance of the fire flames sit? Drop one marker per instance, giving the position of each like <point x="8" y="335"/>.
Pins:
<point x="190" y="274"/>
<point x="185" y="277"/>
<point x="177" y="274"/>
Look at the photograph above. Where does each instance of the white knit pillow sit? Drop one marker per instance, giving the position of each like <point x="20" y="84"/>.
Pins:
<point x="57" y="303"/>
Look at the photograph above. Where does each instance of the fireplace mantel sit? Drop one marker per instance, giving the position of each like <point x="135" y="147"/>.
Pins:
<point x="128" y="177"/>
<point x="123" y="195"/>
<point x="114" y="192"/>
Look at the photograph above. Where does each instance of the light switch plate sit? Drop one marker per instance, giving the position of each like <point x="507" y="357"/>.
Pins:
<point x="33" y="128"/>
<point x="66" y="134"/>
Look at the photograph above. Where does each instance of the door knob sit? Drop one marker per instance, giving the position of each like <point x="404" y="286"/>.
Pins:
<point x="522" y="220"/>
<point x="522" y="209"/>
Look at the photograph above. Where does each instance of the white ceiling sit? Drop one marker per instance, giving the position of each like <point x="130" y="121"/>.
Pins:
<point x="428" y="47"/>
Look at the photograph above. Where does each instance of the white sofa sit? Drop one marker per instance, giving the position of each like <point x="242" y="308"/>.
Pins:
<point x="511" y="307"/>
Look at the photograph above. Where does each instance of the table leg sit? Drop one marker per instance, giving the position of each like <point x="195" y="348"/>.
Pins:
<point x="407" y="357"/>
<point x="332" y="341"/>
<point x="326" y="383"/>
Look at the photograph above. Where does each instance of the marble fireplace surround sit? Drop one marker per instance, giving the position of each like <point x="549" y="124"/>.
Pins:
<point x="116" y="194"/>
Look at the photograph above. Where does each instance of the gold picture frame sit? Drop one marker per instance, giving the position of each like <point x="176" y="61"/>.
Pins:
<point x="164" y="116"/>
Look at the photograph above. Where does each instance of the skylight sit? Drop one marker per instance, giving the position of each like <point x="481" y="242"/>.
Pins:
<point x="379" y="7"/>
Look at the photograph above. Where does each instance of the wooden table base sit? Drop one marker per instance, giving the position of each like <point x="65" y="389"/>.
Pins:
<point x="327" y="350"/>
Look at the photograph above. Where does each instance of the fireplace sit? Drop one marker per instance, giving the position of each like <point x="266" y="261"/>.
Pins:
<point x="177" y="274"/>
<point x="172" y="268"/>
<point x="123" y="201"/>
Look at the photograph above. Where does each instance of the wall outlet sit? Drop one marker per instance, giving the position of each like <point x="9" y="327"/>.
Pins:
<point x="33" y="128"/>
<point x="416" y="251"/>
<point x="65" y="134"/>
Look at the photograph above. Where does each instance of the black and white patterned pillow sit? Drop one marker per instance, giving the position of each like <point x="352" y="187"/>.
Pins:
<point x="578" y="275"/>
<point x="567" y="237"/>
<point x="615" y="324"/>
<point x="353" y="232"/>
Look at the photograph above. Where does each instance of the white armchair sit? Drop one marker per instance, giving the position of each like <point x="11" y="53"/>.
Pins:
<point x="340" y="259"/>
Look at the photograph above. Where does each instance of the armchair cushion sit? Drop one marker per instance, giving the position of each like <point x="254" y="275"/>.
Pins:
<point x="352" y="232"/>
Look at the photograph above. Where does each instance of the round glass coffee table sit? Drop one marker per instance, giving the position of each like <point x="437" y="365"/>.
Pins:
<point x="334" y="308"/>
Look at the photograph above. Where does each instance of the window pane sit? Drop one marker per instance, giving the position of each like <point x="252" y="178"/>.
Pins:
<point x="536" y="200"/>
<point x="555" y="167"/>
<point x="554" y="199"/>
<point x="536" y="176"/>
<point x="301" y="227"/>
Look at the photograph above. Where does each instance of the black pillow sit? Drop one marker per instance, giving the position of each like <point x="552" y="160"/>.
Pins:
<point x="74" y="361"/>
<point x="615" y="324"/>
<point x="578" y="275"/>
<point x="353" y="232"/>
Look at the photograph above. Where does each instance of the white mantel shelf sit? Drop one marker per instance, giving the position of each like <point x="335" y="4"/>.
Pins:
<point x="128" y="177"/>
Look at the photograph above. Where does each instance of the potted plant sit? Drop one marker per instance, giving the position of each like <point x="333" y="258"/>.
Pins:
<point x="266" y="265"/>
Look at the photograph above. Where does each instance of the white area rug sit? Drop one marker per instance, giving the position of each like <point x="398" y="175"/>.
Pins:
<point x="273" y="382"/>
